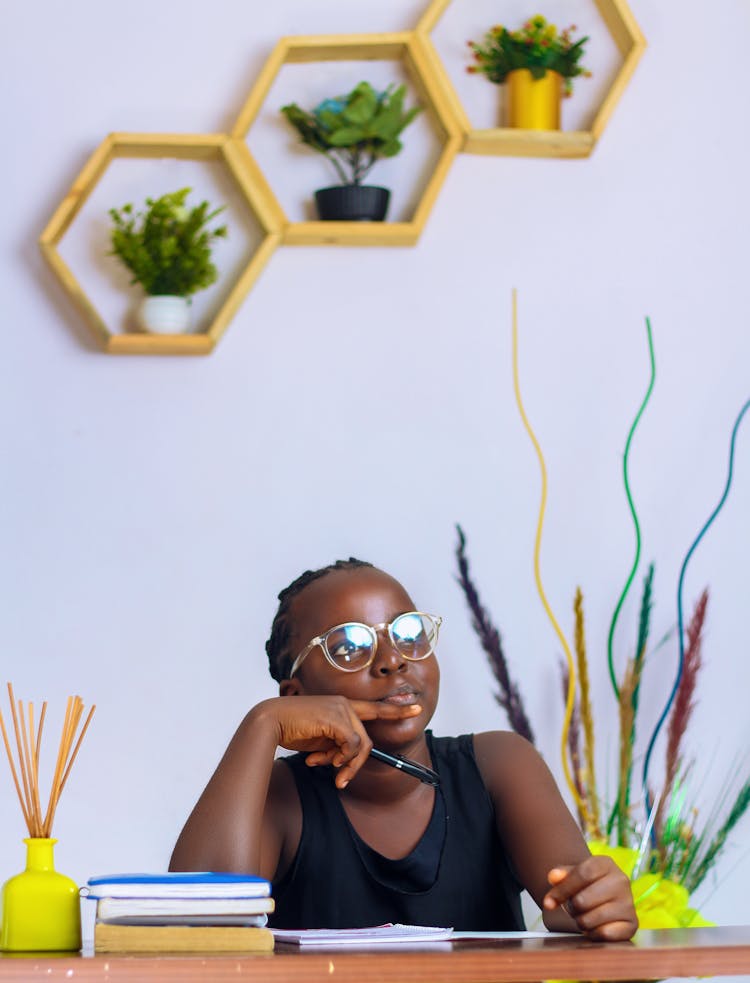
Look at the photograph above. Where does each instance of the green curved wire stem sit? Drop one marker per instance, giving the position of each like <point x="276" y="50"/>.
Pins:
<point x="636" y="523"/>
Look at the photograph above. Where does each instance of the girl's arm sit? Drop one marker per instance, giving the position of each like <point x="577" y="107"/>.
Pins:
<point x="576" y="892"/>
<point x="249" y="812"/>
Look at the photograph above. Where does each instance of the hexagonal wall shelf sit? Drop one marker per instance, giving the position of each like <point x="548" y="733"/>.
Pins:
<point x="630" y="43"/>
<point x="235" y="159"/>
<point x="407" y="48"/>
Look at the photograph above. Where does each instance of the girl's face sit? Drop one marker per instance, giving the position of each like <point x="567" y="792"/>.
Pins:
<point x="369" y="596"/>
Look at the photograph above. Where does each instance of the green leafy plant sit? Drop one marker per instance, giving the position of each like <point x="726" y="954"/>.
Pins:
<point x="537" y="46"/>
<point x="167" y="247"/>
<point x="354" y="131"/>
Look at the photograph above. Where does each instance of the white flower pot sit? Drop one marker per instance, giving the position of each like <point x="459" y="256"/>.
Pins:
<point x="165" y="314"/>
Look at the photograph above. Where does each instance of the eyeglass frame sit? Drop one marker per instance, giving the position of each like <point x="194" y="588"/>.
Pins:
<point x="322" y="641"/>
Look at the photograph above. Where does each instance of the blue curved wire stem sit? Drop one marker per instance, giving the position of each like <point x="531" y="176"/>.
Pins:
<point x="680" y="619"/>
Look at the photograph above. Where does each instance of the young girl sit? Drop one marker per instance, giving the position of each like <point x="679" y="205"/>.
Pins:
<point x="349" y="841"/>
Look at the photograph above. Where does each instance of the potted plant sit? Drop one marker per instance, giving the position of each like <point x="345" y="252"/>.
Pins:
<point x="354" y="132"/>
<point x="167" y="248"/>
<point x="538" y="63"/>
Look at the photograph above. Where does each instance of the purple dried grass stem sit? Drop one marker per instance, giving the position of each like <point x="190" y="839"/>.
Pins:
<point x="574" y="742"/>
<point x="684" y="703"/>
<point x="508" y="697"/>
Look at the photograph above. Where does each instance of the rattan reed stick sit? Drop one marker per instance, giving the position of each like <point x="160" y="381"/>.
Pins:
<point x="36" y="830"/>
<point x="19" y="745"/>
<point x="13" y="771"/>
<point x="34" y="764"/>
<point x="65" y="743"/>
<point x="61" y="754"/>
<point x="78" y="744"/>
<point x="25" y="761"/>
<point x="42" y="715"/>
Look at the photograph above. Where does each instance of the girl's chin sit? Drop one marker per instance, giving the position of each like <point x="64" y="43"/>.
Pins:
<point x="393" y="733"/>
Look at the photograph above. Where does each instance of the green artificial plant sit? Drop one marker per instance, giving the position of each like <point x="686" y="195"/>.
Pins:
<point x="167" y="247"/>
<point x="354" y="131"/>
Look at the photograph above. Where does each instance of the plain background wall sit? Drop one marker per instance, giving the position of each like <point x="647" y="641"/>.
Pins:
<point x="153" y="507"/>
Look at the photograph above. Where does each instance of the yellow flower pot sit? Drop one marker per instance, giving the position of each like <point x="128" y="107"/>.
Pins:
<point x="40" y="907"/>
<point x="534" y="104"/>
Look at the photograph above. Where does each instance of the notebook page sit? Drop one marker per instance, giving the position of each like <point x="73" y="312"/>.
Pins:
<point x="377" y="934"/>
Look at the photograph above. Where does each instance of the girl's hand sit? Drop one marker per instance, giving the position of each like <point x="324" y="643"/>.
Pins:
<point x="329" y="728"/>
<point x="597" y="896"/>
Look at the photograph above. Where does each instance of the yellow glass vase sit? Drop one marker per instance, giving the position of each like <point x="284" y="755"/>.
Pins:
<point x="534" y="104"/>
<point x="40" y="908"/>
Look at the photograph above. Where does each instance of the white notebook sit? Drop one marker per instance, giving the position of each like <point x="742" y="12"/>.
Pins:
<point x="377" y="935"/>
<point x="184" y="911"/>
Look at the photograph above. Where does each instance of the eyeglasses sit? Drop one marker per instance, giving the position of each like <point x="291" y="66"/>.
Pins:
<point x="352" y="646"/>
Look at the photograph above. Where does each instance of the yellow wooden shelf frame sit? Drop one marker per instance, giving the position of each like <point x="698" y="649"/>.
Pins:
<point x="249" y="180"/>
<point x="406" y="47"/>
<point x="631" y="44"/>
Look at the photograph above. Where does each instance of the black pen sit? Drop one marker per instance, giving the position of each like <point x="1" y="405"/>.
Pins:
<point x="409" y="767"/>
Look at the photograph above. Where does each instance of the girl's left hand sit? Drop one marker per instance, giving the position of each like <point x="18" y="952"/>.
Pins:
<point x="597" y="896"/>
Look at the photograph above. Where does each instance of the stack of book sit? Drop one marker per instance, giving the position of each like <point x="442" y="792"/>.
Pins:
<point x="181" y="912"/>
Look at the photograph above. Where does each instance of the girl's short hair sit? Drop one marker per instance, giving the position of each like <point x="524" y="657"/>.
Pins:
<point x="277" y="647"/>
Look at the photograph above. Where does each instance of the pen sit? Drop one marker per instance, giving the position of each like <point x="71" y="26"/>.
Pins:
<point x="409" y="767"/>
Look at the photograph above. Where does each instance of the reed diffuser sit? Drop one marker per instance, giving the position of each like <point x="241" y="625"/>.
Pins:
<point x="40" y="907"/>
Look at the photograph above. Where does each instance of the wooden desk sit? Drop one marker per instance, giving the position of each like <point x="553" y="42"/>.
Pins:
<point x="652" y="955"/>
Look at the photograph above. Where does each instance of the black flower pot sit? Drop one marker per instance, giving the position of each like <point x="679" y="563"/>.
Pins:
<point x="352" y="203"/>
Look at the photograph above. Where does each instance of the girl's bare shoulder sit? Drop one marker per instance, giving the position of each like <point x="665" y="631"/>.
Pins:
<point x="503" y="756"/>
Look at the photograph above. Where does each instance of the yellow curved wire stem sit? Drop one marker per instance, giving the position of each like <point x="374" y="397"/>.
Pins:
<point x="537" y="571"/>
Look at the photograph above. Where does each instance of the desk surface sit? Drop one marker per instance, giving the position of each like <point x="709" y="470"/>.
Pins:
<point x="652" y="955"/>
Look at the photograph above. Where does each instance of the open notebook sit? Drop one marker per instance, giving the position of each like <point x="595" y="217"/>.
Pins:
<point x="388" y="933"/>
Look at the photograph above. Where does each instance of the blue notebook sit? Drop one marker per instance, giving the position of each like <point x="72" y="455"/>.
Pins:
<point x="181" y="884"/>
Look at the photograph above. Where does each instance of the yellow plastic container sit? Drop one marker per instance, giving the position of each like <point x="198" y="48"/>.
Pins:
<point x="534" y="104"/>
<point x="40" y="908"/>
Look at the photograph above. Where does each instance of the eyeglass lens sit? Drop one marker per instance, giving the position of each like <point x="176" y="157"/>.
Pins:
<point x="350" y="646"/>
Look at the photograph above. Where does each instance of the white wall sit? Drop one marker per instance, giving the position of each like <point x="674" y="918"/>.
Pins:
<point x="153" y="507"/>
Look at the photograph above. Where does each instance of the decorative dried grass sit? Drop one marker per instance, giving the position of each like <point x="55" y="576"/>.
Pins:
<point x="684" y="703"/>
<point x="509" y="696"/>
<point x="593" y="828"/>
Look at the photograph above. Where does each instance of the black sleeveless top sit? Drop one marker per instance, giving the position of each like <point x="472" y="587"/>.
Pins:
<point x="457" y="875"/>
